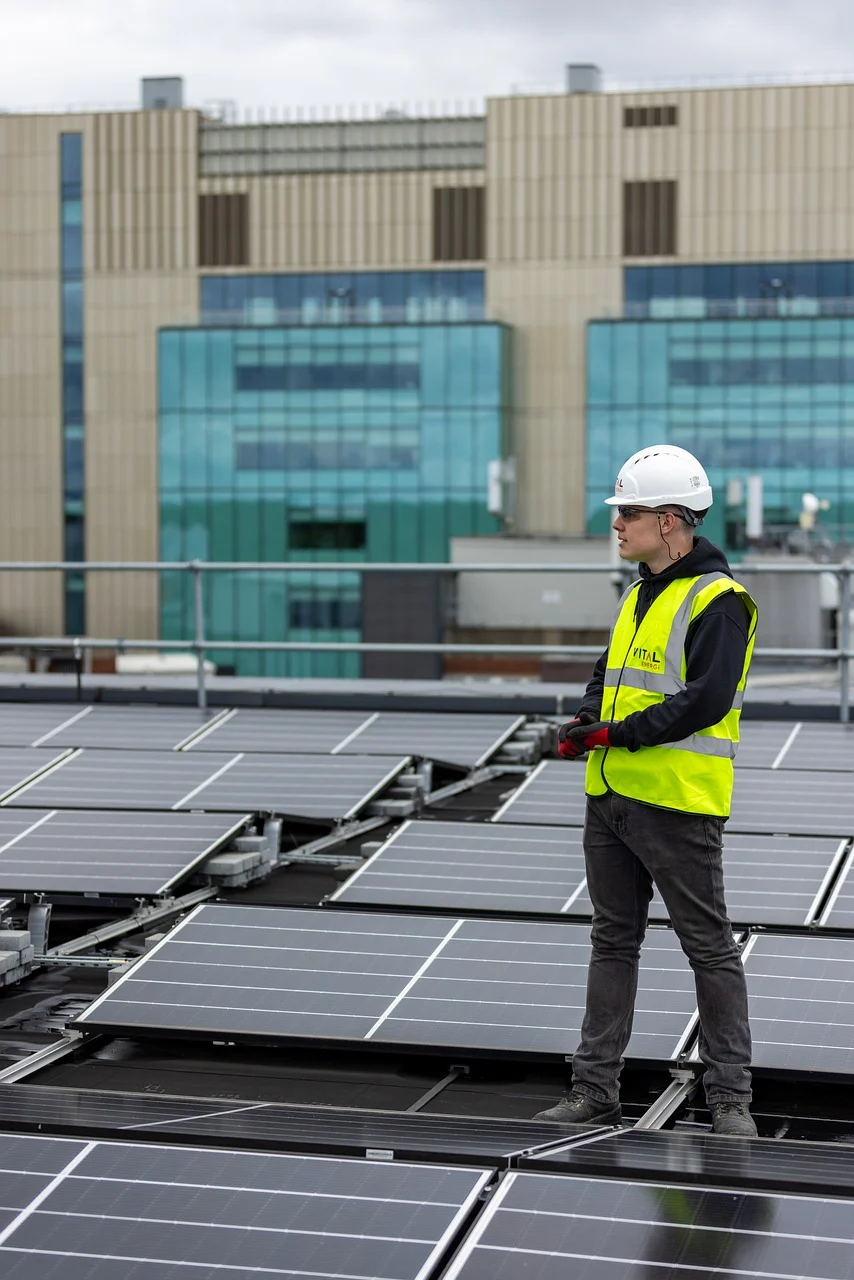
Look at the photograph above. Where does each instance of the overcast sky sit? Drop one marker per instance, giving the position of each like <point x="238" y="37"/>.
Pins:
<point x="290" y="53"/>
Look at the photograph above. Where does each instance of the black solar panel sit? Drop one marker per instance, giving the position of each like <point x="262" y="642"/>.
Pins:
<point x="552" y="794"/>
<point x="292" y="732"/>
<point x="19" y="765"/>
<point x="769" y="880"/>
<point x="801" y="997"/>
<point x="764" y="800"/>
<point x="329" y="1130"/>
<point x="134" y="727"/>
<point x="115" y="1210"/>
<point x="793" y="803"/>
<point x="764" y="745"/>
<point x="80" y="851"/>
<point x="464" y="866"/>
<point x="825" y="747"/>
<point x="481" y="985"/>
<point x="461" y="738"/>
<point x="302" y="786"/>
<point x="27" y="724"/>
<point x="683" y="1156"/>
<point x="505" y="869"/>
<point x="549" y="1227"/>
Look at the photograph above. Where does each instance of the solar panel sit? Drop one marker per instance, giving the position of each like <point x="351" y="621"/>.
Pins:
<point x="331" y="789"/>
<point x="769" y="880"/>
<point x="552" y="794"/>
<point x="826" y="747"/>
<point x="764" y="744"/>
<point x="26" y="724"/>
<point x="77" y="851"/>
<point x="295" y="732"/>
<point x="125" y="1209"/>
<point x="465" y="866"/>
<point x="793" y="803"/>
<point x="461" y="738"/>
<point x="141" y="728"/>
<point x="457" y="866"/>
<point x="685" y="1156"/>
<point x="272" y="974"/>
<point x="764" y="800"/>
<point x="271" y="1126"/>
<point x="839" y="911"/>
<point x="550" y="1227"/>
<point x="801" y="999"/>
<point x="19" y="765"/>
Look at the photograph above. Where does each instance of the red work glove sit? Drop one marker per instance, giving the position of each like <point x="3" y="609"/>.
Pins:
<point x="566" y="748"/>
<point x="589" y="736"/>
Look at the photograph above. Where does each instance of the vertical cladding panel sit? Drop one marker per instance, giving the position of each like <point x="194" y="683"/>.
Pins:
<point x="31" y="523"/>
<point x="143" y="277"/>
<point x="341" y="221"/>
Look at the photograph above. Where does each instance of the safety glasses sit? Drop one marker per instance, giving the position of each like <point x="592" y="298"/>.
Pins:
<point x="631" y="513"/>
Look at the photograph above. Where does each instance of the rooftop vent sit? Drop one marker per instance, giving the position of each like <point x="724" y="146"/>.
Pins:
<point x="583" y="77"/>
<point x="163" y="93"/>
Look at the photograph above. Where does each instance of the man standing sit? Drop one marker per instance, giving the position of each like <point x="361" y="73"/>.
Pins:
<point x="660" y="719"/>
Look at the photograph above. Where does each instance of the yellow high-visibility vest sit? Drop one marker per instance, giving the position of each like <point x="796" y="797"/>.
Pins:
<point x="646" y="664"/>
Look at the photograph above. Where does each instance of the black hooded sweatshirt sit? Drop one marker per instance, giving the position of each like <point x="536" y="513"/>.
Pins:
<point x="714" y="654"/>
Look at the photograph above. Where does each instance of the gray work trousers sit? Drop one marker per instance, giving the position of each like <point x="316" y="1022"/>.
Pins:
<point x="627" y="847"/>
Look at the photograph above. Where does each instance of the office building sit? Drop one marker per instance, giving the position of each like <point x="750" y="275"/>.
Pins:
<point x="313" y="340"/>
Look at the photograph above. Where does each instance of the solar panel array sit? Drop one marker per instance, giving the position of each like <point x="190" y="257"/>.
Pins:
<point x="547" y="1227"/>
<point x="127" y="854"/>
<point x="124" y="1209"/>
<point x="467" y="739"/>
<point x="764" y="800"/>
<point x="274" y="1126"/>
<point x="540" y="871"/>
<point x="277" y="974"/>
<point x="159" y="780"/>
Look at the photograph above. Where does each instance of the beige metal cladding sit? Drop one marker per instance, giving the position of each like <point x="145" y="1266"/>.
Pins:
<point x="31" y="519"/>
<point x="140" y="191"/>
<point x="342" y="221"/>
<point x="761" y="173"/>
<point x="766" y="173"/>
<point x="123" y="314"/>
<point x="140" y="228"/>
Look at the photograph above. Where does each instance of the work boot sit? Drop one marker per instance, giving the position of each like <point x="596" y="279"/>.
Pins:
<point x="580" y="1108"/>
<point x="732" y="1119"/>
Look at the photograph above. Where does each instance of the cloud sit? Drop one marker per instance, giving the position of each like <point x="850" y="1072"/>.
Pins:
<point x="286" y="53"/>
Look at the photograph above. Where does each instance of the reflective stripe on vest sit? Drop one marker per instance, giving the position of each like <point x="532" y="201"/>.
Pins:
<point x="645" y="665"/>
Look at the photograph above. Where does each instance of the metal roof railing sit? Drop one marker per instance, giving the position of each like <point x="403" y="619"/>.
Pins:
<point x="200" y="644"/>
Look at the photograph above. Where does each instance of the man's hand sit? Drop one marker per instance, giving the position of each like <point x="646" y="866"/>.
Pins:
<point x="587" y="737"/>
<point x="567" y="748"/>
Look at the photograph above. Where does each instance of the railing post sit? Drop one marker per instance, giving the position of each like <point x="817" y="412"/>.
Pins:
<point x="199" y="615"/>
<point x="844" y="640"/>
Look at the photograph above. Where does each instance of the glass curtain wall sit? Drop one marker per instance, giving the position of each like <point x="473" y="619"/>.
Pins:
<point x="359" y="297"/>
<point x="773" y="397"/>
<point x="729" y="290"/>
<point x="71" y="273"/>
<point x="315" y="444"/>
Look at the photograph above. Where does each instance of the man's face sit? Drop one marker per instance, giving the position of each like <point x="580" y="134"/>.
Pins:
<point x="638" y="533"/>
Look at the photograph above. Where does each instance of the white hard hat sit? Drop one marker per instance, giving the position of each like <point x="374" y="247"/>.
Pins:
<point x="662" y="475"/>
